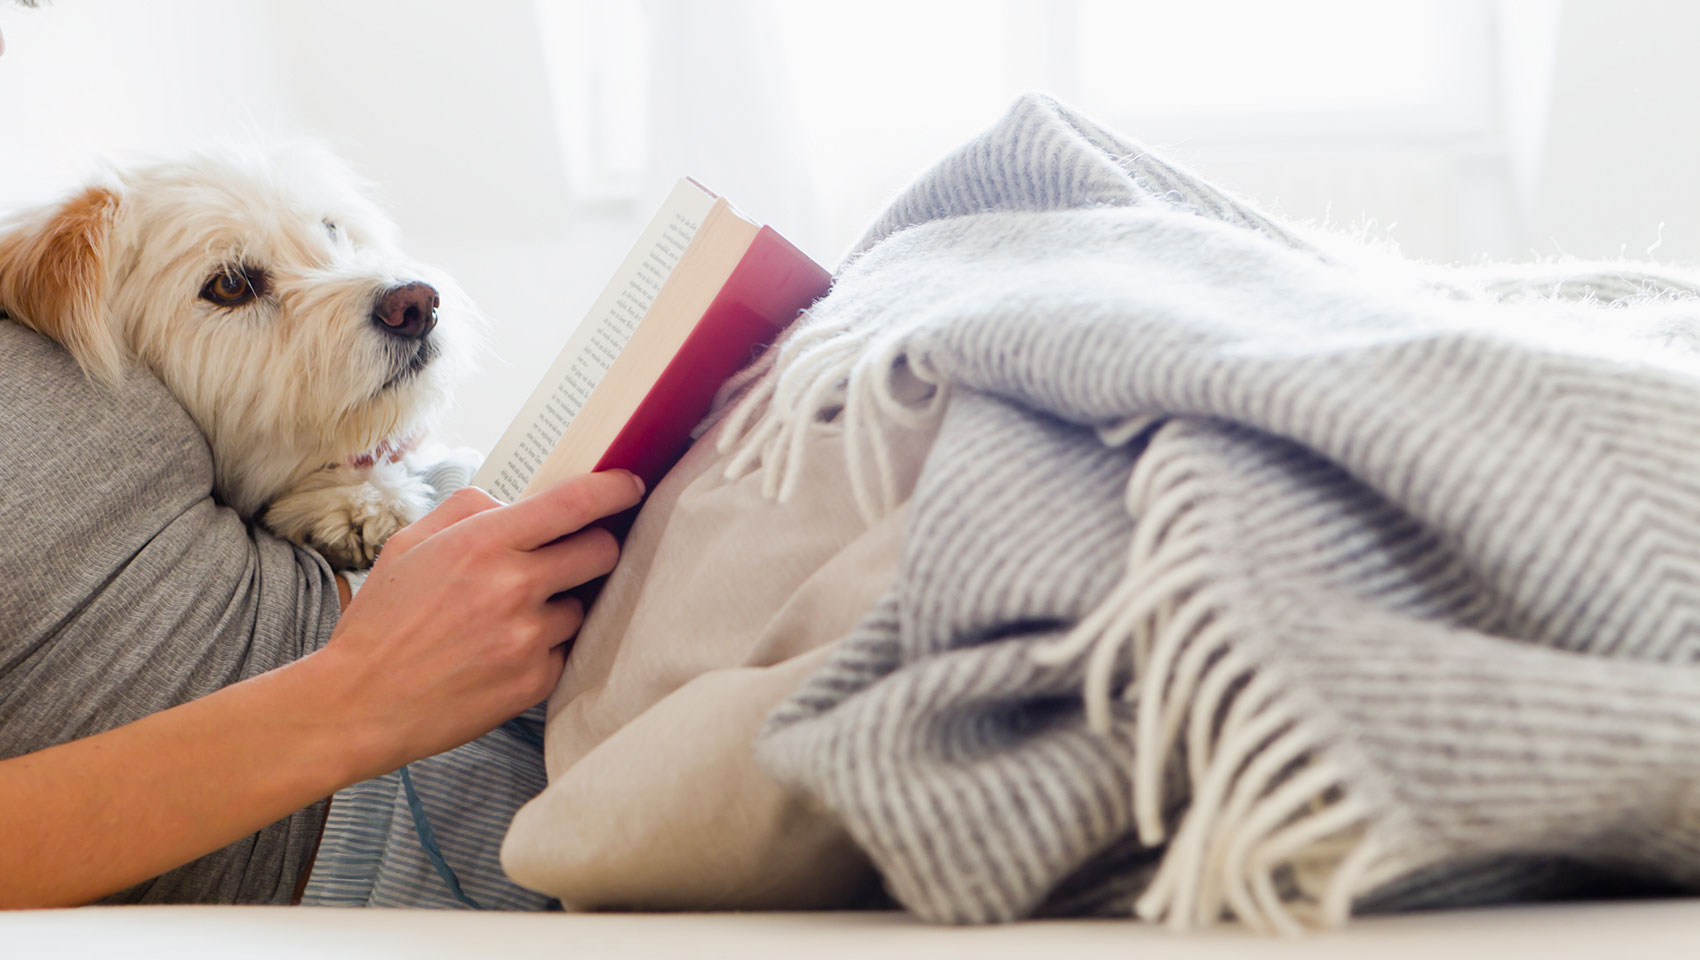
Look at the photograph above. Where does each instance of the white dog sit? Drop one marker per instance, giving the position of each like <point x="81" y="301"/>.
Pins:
<point x="269" y="296"/>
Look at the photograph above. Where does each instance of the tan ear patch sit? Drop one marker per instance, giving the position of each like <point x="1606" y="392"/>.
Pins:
<point x="53" y="278"/>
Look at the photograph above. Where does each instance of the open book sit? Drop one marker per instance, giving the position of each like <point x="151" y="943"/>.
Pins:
<point x="701" y="294"/>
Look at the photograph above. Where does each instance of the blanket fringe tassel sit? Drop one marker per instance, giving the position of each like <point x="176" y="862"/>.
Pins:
<point x="818" y="371"/>
<point x="1272" y="833"/>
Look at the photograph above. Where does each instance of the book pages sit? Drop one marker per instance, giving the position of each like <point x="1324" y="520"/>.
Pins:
<point x="594" y="345"/>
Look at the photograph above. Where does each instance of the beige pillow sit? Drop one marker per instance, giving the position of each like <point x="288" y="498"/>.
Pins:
<point x="723" y="602"/>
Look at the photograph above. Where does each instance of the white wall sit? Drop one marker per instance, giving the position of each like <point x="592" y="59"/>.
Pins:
<point x="809" y="115"/>
<point x="1622" y="152"/>
<point x="97" y="77"/>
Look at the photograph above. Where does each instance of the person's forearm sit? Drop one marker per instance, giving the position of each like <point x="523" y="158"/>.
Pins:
<point x="463" y="623"/>
<point x="91" y="817"/>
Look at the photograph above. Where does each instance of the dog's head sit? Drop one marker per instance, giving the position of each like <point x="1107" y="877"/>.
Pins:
<point x="264" y="290"/>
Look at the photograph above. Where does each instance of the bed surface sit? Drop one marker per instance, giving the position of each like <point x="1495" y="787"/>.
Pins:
<point x="1615" y="930"/>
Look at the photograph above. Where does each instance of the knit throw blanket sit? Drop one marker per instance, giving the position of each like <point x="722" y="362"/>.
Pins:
<point x="1250" y="576"/>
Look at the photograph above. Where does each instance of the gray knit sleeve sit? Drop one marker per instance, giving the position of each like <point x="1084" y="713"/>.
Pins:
<point x="126" y="588"/>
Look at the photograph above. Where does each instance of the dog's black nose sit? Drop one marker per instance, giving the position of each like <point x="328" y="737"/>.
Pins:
<point x="409" y="310"/>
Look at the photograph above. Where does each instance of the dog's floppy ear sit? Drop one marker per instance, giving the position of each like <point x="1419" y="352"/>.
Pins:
<point x="53" y="278"/>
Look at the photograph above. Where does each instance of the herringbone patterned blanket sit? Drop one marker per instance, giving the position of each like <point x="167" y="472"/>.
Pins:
<point x="1251" y="575"/>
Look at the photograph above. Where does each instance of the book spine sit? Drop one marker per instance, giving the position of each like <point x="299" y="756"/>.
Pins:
<point x="771" y="285"/>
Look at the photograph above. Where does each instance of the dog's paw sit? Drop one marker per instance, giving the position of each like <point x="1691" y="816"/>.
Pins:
<point x="350" y="534"/>
<point x="347" y="517"/>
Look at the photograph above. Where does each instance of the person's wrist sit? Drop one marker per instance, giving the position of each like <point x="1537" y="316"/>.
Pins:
<point x="353" y="739"/>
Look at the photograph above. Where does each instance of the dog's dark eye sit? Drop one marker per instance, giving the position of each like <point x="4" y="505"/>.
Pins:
<point x="233" y="287"/>
<point x="330" y="228"/>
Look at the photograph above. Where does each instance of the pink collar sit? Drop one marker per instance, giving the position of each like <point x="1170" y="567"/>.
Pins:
<point x="387" y="451"/>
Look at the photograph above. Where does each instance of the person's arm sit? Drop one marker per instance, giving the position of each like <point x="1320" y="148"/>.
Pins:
<point x="459" y="627"/>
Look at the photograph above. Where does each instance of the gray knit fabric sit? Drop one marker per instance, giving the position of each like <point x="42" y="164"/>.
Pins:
<point x="125" y="588"/>
<point x="1251" y="575"/>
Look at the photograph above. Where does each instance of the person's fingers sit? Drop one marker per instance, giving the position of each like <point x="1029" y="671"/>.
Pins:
<point x="553" y="513"/>
<point x="574" y="561"/>
<point x="566" y="615"/>
<point x="562" y="619"/>
<point x="554" y="665"/>
<point x="463" y="503"/>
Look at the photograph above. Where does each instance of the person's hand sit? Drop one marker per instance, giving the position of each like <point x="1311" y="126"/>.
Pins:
<point x="463" y="621"/>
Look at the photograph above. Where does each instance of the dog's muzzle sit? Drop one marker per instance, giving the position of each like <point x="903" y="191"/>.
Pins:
<point x="409" y="357"/>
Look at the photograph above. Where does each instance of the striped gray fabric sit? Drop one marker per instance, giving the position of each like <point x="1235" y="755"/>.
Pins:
<point x="371" y="854"/>
<point x="1252" y="575"/>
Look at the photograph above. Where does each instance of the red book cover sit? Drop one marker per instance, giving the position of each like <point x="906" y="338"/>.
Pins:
<point x="772" y="283"/>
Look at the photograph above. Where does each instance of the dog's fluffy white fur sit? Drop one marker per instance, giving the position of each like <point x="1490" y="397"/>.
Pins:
<point x="305" y="397"/>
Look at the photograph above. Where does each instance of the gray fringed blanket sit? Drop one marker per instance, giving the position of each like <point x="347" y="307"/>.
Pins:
<point x="1246" y="578"/>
